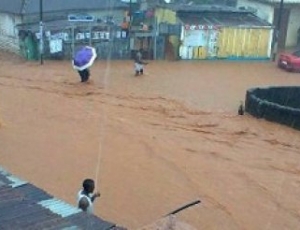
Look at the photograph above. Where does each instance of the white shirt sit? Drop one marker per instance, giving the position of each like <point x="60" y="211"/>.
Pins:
<point x="80" y="195"/>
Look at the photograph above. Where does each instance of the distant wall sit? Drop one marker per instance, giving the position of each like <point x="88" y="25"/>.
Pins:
<point x="261" y="10"/>
<point x="8" y="33"/>
<point x="293" y="26"/>
<point x="165" y="15"/>
<point x="276" y="104"/>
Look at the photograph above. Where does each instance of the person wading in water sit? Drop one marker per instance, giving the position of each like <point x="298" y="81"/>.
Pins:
<point x="139" y="63"/>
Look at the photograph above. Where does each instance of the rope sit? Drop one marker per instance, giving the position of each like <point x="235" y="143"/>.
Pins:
<point x="103" y="121"/>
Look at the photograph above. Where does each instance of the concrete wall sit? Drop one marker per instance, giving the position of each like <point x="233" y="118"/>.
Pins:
<point x="266" y="12"/>
<point x="293" y="26"/>
<point x="8" y="32"/>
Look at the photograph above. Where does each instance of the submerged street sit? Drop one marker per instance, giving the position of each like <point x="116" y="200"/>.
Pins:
<point x="155" y="142"/>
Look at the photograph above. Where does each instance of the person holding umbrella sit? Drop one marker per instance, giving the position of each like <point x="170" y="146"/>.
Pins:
<point x="83" y="60"/>
<point x="84" y="75"/>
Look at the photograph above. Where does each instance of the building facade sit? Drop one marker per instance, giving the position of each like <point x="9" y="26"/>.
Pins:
<point x="270" y="11"/>
<point x="218" y="32"/>
<point x="8" y="32"/>
<point x="66" y="25"/>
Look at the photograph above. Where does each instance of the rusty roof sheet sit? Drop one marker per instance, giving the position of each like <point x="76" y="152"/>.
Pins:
<point x="222" y="18"/>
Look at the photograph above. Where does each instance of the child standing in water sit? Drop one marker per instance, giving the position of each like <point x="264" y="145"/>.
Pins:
<point x="139" y="63"/>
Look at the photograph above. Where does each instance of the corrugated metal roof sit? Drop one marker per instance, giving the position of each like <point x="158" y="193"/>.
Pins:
<point x="58" y="25"/>
<point x="8" y="6"/>
<point x="24" y="206"/>
<point x="32" y="6"/>
<point x="277" y="2"/>
<point x="222" y="19"/>
<point x="203" y="8"/>
<point x="59" y="207"/>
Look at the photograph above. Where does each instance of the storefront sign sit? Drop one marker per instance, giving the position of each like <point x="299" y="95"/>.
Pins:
<point x="201" y="27"/>
<point x="80" y="18"/>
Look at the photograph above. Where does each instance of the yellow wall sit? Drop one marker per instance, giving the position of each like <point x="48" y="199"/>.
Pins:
<point x="244" y="42"/>
<point x="165" y="15"/>
<point x="233" y="42"/>
<point x="168" y="16"/>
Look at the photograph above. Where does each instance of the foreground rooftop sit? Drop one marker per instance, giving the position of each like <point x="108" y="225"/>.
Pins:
<point x="24" y="206"/>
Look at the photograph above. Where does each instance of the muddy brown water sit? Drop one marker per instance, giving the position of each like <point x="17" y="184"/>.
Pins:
<point x="153" y="143"/>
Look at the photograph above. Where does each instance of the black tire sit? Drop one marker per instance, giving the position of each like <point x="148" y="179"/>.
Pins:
<point x="279" y="64"/>
<point x="289" y="68"/>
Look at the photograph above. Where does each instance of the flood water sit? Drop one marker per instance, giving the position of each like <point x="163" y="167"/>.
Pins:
<point x="153" y="143"/>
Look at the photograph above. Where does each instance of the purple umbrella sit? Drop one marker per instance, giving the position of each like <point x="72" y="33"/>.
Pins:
<point x="84" y="58"/>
